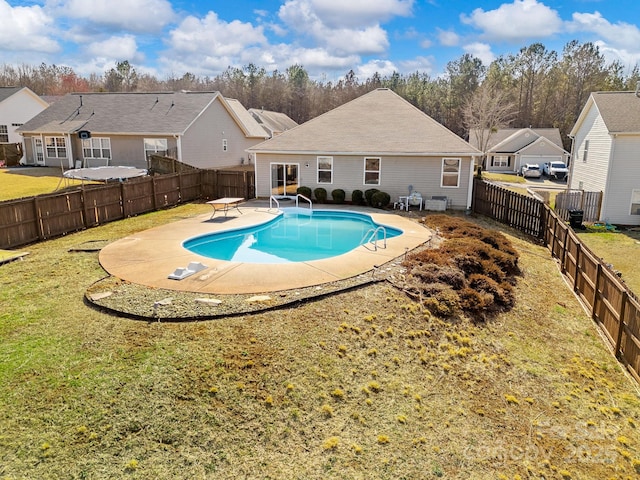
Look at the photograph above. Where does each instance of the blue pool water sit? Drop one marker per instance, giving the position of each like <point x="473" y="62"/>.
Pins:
<point x="290" y="237"/>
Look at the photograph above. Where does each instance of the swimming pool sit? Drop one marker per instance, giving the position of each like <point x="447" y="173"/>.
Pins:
<point x="293" y="236"/>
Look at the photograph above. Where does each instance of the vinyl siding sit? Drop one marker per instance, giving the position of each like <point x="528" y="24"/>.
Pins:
<point x="19" y="108"/>
<point x="397" y="173"/>
<point x="202" y="142"/>
<point x="624" y="177"/>
<point x="592" y="173"/>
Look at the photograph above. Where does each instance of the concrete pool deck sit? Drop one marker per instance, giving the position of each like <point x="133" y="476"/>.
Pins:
<point x="149" y="257"/>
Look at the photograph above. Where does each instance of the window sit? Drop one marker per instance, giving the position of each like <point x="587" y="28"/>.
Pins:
<point x="325" y="169"/>
<point x="225" y="146"/>
<point x="450" y="172"/>
<point x="635" y="202"/>
<point x="500" y="161"/>
<point x="4" y="134"/>
<point x="372" y="171"/>
<point x="585" y="151"/>
<point x="155" y="146"/>
<point x="96" y="147"/>
<point x="56" y="147"/>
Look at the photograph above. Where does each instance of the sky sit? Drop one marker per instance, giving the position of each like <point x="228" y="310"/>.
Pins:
<point x="167" y="38"/>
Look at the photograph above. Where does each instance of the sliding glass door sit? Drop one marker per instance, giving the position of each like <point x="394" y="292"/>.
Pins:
<point x="284" y="179"/>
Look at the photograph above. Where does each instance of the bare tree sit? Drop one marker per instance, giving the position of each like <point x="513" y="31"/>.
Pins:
<point x="485" y="112"/>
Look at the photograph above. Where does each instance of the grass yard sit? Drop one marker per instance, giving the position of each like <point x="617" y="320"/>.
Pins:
<point x="503" y="177"/>
<point x="20" y="182"/>
<point x="621" y="249"/>
<point x="361" y="385"/>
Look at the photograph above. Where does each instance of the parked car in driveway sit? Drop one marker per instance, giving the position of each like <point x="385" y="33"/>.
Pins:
<point x="531" y="170"/>
<point x="557" y="170"/>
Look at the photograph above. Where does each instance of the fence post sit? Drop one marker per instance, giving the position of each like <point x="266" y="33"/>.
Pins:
<point x="153" y="192"/>
<point x="594" y="308"/>
<point x="123" y="199"/>
<point x="38" y="218"/>
<point x="623" y="308"/>
<point x="563" y="263"/>
<point x="577" y="272"/>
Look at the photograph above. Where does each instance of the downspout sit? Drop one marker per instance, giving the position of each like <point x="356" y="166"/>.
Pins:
<point x="178" y="147"/>
<point x="255" y="171"/>
<point x="70" y="151"/>
<point x="472" y="165"/>
<point x="571" y="161"/>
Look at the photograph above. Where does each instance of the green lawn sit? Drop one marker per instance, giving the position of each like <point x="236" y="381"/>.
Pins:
<point x="620" y="249"/>
<point x="362" y="384"/>
<point x="20" y="182"/>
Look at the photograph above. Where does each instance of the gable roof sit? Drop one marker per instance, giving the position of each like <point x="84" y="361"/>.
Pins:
<point x="165" y="113"/>
<point x="517" y="137"/>
<point x="6" y="92"/>
<point x="620" y="111"/>
<point x="379" y="122"/>
<point x="273" y="122"/>
<point x="252" y="128"/>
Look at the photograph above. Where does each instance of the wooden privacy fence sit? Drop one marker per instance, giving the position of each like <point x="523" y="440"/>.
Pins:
<point x="589" y="202"/>
<point x="612" y="305"/>
<point x="10" y="153"/>
<point x="33" y="219"/>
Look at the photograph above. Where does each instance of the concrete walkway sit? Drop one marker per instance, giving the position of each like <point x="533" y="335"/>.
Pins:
<point x="148" y="257"/>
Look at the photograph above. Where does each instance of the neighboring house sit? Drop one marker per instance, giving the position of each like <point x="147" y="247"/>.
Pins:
<point x="202" y="129"/>
<point x="606" y="154"/>
<point x="273" y="122"/>
<point x="17" y="106"/>
<point x="378" y="140"/>
<point x="508" y="149"/>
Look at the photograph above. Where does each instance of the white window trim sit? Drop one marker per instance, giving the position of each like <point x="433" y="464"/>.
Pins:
<point x="148" y="151"/>
<point x="56" y="146"/>
<point x="91" y="148"/>
<point x="585" y="151"/>
<point x="499" y="160"/>
<point x="635" y="195"/>
<point x="379" y="171"/>
<point x="449" y="174"/>
<point x="4" y="132"/>
<point x="330" y="170"/>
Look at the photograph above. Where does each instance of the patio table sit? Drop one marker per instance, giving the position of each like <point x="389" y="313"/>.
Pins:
<point x="225" y="204"/>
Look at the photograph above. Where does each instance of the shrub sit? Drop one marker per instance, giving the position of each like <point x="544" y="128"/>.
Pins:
<point x="320" y="194"/>
<point x="338" y="195"/>
<point x="357" y="197"/>
<point x="380" y="199"/>
<point x="306" y="191"/>
<point x="369" y="193"/>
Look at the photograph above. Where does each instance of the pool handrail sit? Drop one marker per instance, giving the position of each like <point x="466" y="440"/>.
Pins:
<point x="271" y="200"/>
<point x="300" y="196"/>
<point x="373" y="238"/>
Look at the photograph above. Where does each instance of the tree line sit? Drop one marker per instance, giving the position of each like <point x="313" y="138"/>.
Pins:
<point x="534" y="87"/>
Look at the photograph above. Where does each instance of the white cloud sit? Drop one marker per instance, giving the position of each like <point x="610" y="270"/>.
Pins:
<point x="356" y="13"/>
<point x="481" y="51"/>
<point x="383" y="67"/>
<point x="210" y="36"/>
<point x="515" y="22"/>
<point x="448" y="38"/>
<point x="363" y="42"/>
<point x="117" y="48"/>
<point x="25" y="29"/>
<point x="620" y="34"/>
<point x="129" y="15"/>
<point x="418" y="64"/>
<point x="426" y="43"/>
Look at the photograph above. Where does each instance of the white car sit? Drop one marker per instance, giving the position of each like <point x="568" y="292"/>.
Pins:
<point x="557" y="170"/>
<point x="531" y="170"/>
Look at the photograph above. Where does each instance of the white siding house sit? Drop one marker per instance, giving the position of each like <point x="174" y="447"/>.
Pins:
<point x="17" y="106"/>
<point x="606" y="154"/>
<point x="509" y="148"/>
<point x="378" y="140"/>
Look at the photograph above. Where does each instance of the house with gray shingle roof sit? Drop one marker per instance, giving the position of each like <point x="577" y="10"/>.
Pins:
<point x="201" y="129"/>
<point x="606" y="154"/>
<point x="378" y="140"/>
<point x="273" y="122"/>
<point x="17" y="106"/>
<point x="507" y="149"/>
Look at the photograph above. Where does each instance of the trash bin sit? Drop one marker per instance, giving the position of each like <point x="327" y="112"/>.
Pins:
<point x="575" y="218"/>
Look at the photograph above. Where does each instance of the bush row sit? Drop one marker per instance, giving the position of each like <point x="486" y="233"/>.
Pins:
<point x="371" y="197"/>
